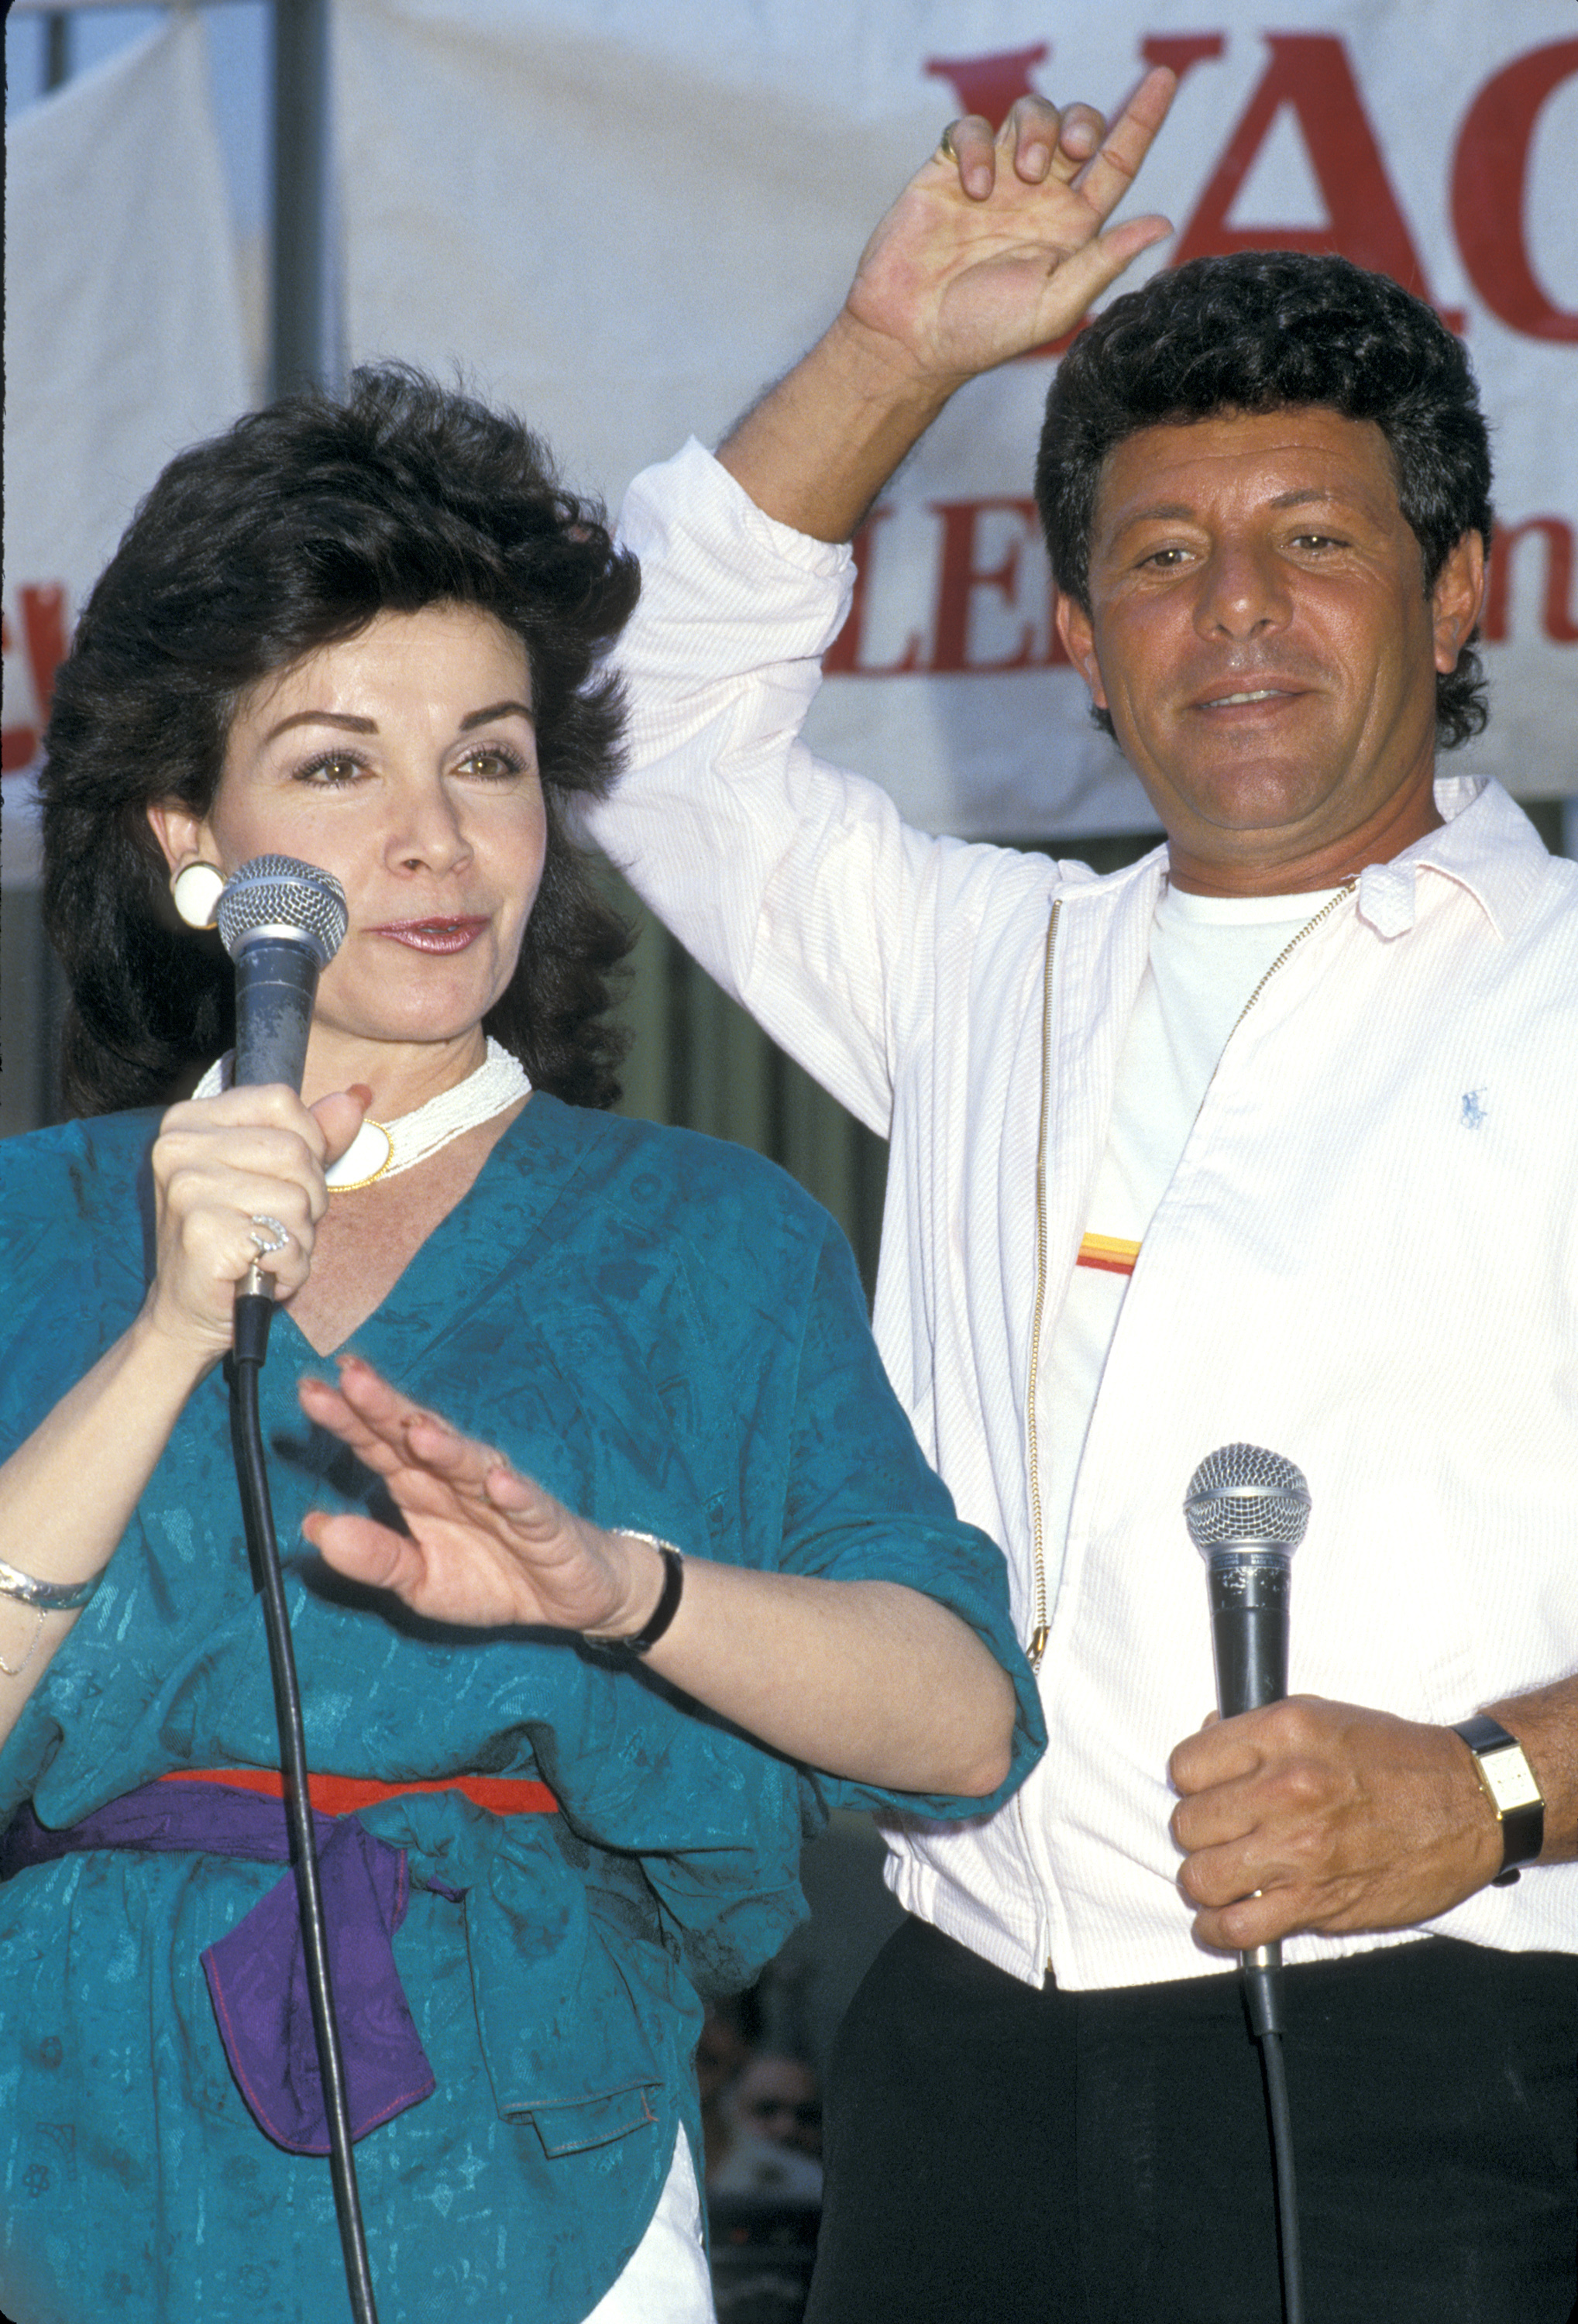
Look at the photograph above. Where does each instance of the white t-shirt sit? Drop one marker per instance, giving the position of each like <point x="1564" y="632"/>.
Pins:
<point x="1208" y="955"/>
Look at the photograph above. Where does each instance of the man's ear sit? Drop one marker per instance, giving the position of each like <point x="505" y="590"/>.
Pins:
<point x="1457" y="598"/>
<point x="1074" y="627"/>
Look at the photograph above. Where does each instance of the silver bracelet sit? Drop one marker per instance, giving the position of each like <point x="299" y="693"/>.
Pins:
<point x="49" y="1597"/>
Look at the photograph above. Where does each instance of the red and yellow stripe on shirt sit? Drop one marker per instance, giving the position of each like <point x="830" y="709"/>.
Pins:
<point x="1111" y="1254"/>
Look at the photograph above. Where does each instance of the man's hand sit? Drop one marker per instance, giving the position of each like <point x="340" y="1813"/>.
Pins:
<point x="483" y="1545"/>
<point x="1313" y="1815"/>
<point x="989" y="252"/>
<point x="1004" y="246"/>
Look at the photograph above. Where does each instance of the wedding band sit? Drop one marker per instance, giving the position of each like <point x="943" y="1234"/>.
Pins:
<point x="945" y="151"/>
<point x="282" y="1235"/>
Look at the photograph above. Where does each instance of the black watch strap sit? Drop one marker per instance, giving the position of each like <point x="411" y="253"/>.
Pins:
<point x="668" y="1597"/>
<point x="1512" y="1789"/>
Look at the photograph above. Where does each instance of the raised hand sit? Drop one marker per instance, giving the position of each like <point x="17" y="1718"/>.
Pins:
<point x="484" y="1545"/>
<point x="995" y="247"/>
<point x="1000" y="243"/>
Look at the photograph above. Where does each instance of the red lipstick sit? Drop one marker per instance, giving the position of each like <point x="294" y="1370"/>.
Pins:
<point x="437" y="935"/>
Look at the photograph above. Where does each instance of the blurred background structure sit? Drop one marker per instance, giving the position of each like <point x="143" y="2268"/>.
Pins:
<point x="621" y="218"/>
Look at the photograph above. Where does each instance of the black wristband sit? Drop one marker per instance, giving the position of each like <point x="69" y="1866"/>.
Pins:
<point x="668" y="1597"/>
<point x="1513" y="1788"/>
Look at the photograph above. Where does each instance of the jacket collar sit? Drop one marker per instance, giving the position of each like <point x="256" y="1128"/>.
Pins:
<point x="1485" y="844"/>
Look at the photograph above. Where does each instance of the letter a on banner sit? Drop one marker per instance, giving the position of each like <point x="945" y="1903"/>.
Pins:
<point x="1310" y="73"/>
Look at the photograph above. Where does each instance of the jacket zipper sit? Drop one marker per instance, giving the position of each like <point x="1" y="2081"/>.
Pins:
<point x="1038" y="1644"/>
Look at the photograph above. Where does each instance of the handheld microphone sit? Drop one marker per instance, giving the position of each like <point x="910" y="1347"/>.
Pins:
<point x="1246" y="1510"/>
<point x="281" y="922"/>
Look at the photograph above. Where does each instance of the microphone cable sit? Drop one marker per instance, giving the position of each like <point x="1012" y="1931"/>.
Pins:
<point x="282" y="921"/>
<point x="1261" y="1973"/>
<point x="255" y="1307"/>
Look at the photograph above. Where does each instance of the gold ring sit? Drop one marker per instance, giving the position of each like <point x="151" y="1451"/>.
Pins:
<point x="945" y="151"/>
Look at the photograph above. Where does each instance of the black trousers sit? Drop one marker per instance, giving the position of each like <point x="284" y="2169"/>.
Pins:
<point x="998" y="2152"/>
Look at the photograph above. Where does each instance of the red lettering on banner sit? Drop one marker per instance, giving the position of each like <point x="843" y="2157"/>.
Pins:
<point x="1490" y="178"/>
<point x="1310" y="73"/>
<point x="42" y="607"/>
<point x="843" y="658"/>
<point x="971" y="576"/>
<point x="1559" y="611"/>
<point x="990" y="85"/>
<point x="963" y="577"/>
<point x="1180" y="50"/>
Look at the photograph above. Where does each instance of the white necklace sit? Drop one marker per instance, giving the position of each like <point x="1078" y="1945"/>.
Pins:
<point x="380" y="1149"/>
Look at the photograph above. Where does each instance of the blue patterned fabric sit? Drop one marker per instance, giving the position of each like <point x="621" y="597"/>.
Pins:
<point x="669" y="1336"/>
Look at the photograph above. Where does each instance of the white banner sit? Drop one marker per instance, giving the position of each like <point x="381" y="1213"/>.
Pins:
<point x="123" y="341"/>
<point x="622" y="218"/>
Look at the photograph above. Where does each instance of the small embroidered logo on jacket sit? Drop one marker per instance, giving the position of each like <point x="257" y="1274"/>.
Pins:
<point x="1473" y="1109"/>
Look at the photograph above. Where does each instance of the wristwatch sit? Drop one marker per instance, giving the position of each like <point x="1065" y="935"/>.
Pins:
<point x="1513" y="1791"/>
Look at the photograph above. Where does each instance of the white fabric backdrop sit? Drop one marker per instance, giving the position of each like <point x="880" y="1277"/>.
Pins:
<point x="623" y="218"/>
<point x="123" y="341"/>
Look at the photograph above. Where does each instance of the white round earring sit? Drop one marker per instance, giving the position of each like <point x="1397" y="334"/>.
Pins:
<point x="196" y="888"/>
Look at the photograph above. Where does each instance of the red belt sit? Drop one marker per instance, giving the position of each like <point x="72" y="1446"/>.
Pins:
<point x="337" y="1795"/>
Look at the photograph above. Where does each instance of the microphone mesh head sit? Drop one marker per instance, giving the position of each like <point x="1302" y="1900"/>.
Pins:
<point x="277" y="892"/>
<point x="1242" y="1496"/>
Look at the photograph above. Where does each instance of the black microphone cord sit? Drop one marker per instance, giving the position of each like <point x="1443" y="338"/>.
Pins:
<point x="253" y="1314"/>
<point x="1262" y="1992"/>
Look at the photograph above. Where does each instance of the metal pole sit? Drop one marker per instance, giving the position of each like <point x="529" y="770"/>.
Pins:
<point x="299" y="351"/>
<point x="57" y="50"/>
<point x="50" y="997"/>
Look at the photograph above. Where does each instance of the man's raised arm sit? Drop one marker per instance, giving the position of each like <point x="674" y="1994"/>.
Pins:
<point x="999" y="244"/>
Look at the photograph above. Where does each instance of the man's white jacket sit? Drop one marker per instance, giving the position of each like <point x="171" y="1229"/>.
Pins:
<point x="1367" y="1259"/>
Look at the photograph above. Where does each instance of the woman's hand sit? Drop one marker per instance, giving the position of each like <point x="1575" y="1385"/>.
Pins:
<point x="867" y="1678"/>
<point x="220" y="1164"/>
<point x="486" y="1546"/>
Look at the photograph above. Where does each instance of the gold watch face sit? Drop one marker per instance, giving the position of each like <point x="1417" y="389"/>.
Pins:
<point x="1508" y="1779"/>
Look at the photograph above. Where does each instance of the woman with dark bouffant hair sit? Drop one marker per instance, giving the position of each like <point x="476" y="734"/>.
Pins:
<point x="287" y="535"/>
<point x="578" y="1658"/>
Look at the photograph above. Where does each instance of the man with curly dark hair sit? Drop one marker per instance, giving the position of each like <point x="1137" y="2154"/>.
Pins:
<point x="1268" y="1136"/>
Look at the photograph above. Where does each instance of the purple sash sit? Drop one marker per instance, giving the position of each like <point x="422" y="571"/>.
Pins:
<point x="257" y="1975"/>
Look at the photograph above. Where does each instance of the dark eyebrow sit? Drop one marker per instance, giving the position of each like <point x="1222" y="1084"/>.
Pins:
<point x="370" y="725"/>
<point x="1312" y="494"/>
<point x="1303" y="496"/>
<point x="324" y="719"/>
<point x="494" y="710"/>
